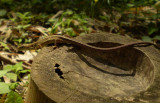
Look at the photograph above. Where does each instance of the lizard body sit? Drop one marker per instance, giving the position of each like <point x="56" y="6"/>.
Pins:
<point x="62" y="39"/>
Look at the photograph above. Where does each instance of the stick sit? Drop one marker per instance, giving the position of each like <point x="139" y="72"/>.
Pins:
<point x="10" y="61"/>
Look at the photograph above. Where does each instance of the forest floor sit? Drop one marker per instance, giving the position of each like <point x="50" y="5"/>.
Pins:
<point x="25" y="28"/>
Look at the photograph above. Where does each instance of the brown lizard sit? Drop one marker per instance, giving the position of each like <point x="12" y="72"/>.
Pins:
<point x="62" y="39"/>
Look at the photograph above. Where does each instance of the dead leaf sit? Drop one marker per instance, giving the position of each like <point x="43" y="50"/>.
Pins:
<point x="6" y="79"/>
<point x="76" y="22"/>
<point x="16" y="32"/>
<point x="43" y="30"/>
<point x="27" y="56"/>
<point x="3" y="28"/>
<point x="25" y="79"/>
<point x="143" y="101"/>
<point x="38" y="29"/>
<point x="13" y="14"/>
<point x="19" y="89"/>
<point x="7" y="35"/>
<point x="57" y="14"/>
<point x="129" y="98"/>
<point x="33" y="29"/>
<point x="7" y="53"/>
<point x="118" y="98"/>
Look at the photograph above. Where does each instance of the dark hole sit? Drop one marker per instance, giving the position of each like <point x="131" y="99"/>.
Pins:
<point x="56" y="65"/>
<point x="59" y="72"/>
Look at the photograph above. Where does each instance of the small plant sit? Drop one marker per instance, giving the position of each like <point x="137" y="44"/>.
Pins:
<point x="11" y="73"/>
<point x="3" y="12"/>
<point x="4" y="45"/>
<point x="93" y="7"/>
<point x="22" y="21"/>
<point x="69" y="23"/>
<point x="22" y="18"/>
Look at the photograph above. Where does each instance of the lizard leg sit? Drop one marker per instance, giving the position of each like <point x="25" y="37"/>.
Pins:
<point x="55" y="44"/>
<point x="39" y="46"/>
<point x="54" y="47"/>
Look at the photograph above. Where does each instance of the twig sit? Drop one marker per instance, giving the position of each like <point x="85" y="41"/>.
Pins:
<point x="10" y="61"/>
<point x="57" y="14"/>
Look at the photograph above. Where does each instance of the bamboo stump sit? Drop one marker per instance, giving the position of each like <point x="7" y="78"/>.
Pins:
<point x="71" y="74"/>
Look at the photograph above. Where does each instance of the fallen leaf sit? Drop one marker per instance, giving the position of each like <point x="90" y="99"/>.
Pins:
<point x="7" y="35"/>
<point x="13" y="14"/>
<point x="6" y="79"/>
<point x="27" y="56"/>
<point x="16" y="32"/>
<point x="3" y="28"/>
<point x="129" y="98"/>
<point x="39" y="29"/>
<point x="144" y="101"/>
<point x="42" y="30"/>
<point x="25" y="79"/>
<point x="76" y="22"/>
<point x="57" y="14"/>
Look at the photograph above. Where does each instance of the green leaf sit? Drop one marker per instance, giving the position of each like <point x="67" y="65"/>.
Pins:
<point x="108" y="1"/>
<point x="3" y="72"/>
<point x="3" y="12"/>
<point x="157" y="37"/>
<point x="36" y="1"/>
<point x="25" y="71"/>
<point x="11" y="76"/>
<point x="70" y="31"/>
<point x="130" y="5"/>
<point x="19" y="27"/>
<point x="157" y="5"/>
<point x="18" y="67"/>
<point x="68" y="21"/>
<point x="26" y="26"/>
<point x="19" y="40"/>
<point x="14" y="97"/>
<point x="4" y="88"/>
<point x="4" y="45"/>
<point x="151" y="30"/>
<point x="56" y="26"/>
<point x="49" y="29"/>
<point x="13" y="86"/>
<point x="68" y="12"/>
<point x="7" y="1"/>
<point x="131" y="16"/>
<point x="154" y="16"/>
<point x="28" y="40"/>
<point x="146" y="38"/>
<point x="53" y="20"/>
<point x="85" y="28"/>
<point x="8" y="68"/>
<point x="95" y="1"/>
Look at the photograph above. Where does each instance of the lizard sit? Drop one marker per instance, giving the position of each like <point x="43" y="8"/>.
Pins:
<point x="62" y="39"/>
